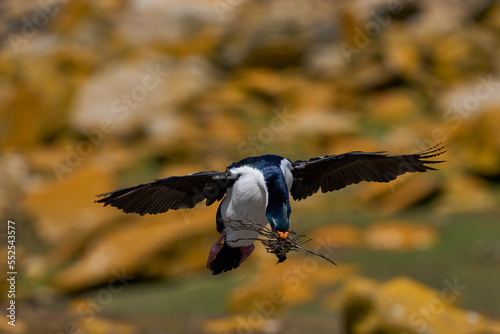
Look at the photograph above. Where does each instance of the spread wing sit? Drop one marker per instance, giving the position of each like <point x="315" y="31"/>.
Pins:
<point x="335" y="172"/>
<point x="176" y="192"/>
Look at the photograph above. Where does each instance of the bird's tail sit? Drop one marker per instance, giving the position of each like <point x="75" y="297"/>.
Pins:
<point x="227" y="258"/>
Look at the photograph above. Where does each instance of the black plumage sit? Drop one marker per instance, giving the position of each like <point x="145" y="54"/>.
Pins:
<point x="176" y="192"/>
<point x="334" y="172"/>
<point x="329" y="173"/>
<point x="257" y="189"/>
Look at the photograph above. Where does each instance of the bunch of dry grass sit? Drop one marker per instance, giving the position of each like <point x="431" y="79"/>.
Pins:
<point x="272" y="240"/>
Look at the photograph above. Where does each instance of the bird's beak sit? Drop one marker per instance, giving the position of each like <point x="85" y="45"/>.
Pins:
<point x="283" y="235"/>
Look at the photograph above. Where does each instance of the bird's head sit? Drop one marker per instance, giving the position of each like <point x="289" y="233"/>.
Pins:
<point x="279" y="218"/>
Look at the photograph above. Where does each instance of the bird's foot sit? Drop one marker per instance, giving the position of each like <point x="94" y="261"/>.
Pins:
<point x="245" y="252"/>
<point x="215" y="249"/>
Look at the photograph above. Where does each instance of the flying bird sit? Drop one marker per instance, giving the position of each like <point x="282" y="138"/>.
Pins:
<point x="256" y="191"/>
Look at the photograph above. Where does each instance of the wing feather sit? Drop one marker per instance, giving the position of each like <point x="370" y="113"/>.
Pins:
<point x="172" y="193"/>
<point x="334" y="172"/>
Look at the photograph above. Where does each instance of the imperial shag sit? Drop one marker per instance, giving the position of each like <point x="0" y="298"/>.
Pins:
<point x="256" y="190"/>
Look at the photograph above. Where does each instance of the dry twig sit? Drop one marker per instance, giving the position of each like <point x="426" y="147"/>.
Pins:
<point x="273" y="242"/>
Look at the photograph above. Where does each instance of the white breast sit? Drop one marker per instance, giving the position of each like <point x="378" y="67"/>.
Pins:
<point x="245" y="201"/>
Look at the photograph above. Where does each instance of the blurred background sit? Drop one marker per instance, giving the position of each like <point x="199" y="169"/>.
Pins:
<point x="101" y="95"/>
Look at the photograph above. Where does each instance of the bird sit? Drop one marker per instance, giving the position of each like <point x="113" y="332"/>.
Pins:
<point x="257" y="191"/>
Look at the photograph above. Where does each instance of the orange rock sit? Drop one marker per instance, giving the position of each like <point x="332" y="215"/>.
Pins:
<point x="65" y="213"/>
<point x="277" y="289"/>
<point x="314" y="123"/>
<point x="406" y="190"/>
<point x="20" y="132"/>
<point x="337" y="235"/>
<point x="405" y="305"/>
<point x="100" y="325"/>
<point x="400" y="235"/>
<point x="393" y="106"/>
<point x="129" y="248"/>
<point x="453" y="53"/>
<point x="311" y="97"/>
<point x="263" y="79"/>
<point x="402" y="54"/>
<point x="15" y="179"/>
<point x="293" y="282"/>
<point x="465" y="193"/>
<point x="481" y="155"/>
<point x="240" y="324"/>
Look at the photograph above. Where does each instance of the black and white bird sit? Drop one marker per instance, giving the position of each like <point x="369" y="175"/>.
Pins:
<point x="256" y="190"/>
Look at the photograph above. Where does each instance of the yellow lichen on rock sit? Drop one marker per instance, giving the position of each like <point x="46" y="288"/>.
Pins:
<point x="400" y="236"/>
<point x="405" y="305"/>
<point x="337" y="235"/>
<point x="293" y="282"/>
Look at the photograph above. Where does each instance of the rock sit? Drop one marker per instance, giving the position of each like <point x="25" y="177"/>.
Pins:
<point x="293" y="282"/>
<point x="15" y="180"/>
<point x="316" y="122"/>
<point x="400" y="236"/>
<point x="124" y="95"/>
<point x="141" y="95"/>
<point x="481" y="156"/>
<point x="465" y="193"/>
<point x="402" y="193"/>
<point x="402" y="54"/>
<point x="240" y="323"/>
<point x="458" y="51"/>
<point x="405" y="305"/>
<point x="125" y="251"/>
<point x="228" y="70"/>
<point x="64" y="214"/>
<point x="168" y="23"/>
<point x="392" y="106"/>
<point x="276" y="36"/>
<point x="101" y="325"/>
<point x="263" y="80"/>
<point x="337" y="235"/>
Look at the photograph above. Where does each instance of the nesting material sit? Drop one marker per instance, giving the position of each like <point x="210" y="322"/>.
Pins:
<point x="274" y="242"/>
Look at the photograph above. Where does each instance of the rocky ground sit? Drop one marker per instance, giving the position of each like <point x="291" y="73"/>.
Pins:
<point x="101" y="95"/>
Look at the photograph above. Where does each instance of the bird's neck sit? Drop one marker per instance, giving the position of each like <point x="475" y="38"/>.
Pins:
<point x="278" y="203"/>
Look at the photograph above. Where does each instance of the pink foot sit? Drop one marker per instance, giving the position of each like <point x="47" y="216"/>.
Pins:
<point x="215" y="249"/>
<point x="245" y="252"/>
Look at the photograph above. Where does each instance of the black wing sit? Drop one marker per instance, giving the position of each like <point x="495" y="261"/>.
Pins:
<point x="176" y="192"/>
<point x="335" y="172"/>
